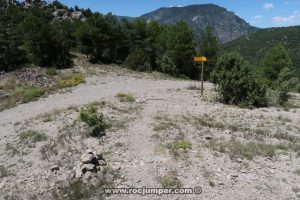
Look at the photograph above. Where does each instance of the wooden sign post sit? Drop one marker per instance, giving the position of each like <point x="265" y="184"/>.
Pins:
<point x="201" y="59"/>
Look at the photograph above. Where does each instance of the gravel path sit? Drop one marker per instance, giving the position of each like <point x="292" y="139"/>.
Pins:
<point x="142" y="163"/>
<point x="95" y="89"/>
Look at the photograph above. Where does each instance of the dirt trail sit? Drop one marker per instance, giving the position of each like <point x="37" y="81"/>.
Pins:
<point x="146" y="155"/>
<point x="93" y="90"/>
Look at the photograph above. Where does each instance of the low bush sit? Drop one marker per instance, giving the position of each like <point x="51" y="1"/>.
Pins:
<point x="4" y="172"/>
<point x="33" y="136"/>
<point x="72" y="80"/>
<point x="170" y="180"/>
<point x="298" y="88"/>
<point x="94" y="120"/>
<point x="237" y="149"/>
<point x="285" y="83"/>
<point x="168" y="66"/>
<point x="138" y="60"/>
<point x="24" y="94"/>
<point x="238" y="83"/>
<point x="181" y="144"/>
<point x="51" y="72"/>
<point x="125" y="97"/>
<point x="121" y="95"/>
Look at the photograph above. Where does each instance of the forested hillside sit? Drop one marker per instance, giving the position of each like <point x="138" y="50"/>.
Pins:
<point x="41" y="34"/>
<point x="254" y="46"/>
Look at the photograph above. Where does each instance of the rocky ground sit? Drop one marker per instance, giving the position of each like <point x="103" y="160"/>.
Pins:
<point x="165" y="135"/>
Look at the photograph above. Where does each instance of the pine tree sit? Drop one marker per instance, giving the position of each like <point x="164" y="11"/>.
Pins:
<point x="39" y="38"/>
<point x="209" y="47"/>
<point x="11" y="54"/>
<point x="47" y="44"/>
<point x="84" y="39"/>
<point x="179" y="42"/>
<point x="153" y="33"/>
<point x="276" y="59"/>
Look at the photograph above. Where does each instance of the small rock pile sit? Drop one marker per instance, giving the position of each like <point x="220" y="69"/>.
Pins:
<point x="33" y="77"/>
<point x="4" y="94"/>
<point x="89" y="165"/>
<point x="2" y="75"/>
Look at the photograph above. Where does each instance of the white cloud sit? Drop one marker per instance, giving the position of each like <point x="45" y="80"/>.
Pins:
<point x="256" y="19"/>
<point x="179" y="6"/>
<point x="268" y="6"/>
<point x="293" y="18"/>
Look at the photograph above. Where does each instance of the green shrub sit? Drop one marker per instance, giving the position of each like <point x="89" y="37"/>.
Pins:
<point x="121" y="95"/>
<point x="238" y="83"/>
<point x="170" y="180"/>
<point x="94" y="120"/>
<point x="125" y="97"/>
<point x="284" y="95"/>
<point x="237" y="149"/>
<point x="73" y="80"/>
<point x="51" y="72"/>
<point x="298" y="88"/>
<point x="89" y="115"/>
<point x="181" y="144"/>
<point x="128" y="98"/>
<point x="4" y="172"/>
<point x="28" y="94"/>
<point x="138" y="60"/>
<point x="272" y="97"/>
<point x="285" y="83"/>
<point x="276" y="59"/>
<point x="33" y="136"/>
<point x="168" y="66"/>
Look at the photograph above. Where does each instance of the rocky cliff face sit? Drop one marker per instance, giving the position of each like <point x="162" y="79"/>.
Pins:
<point x="58" y="10"/>
<point x="227" y="25"/>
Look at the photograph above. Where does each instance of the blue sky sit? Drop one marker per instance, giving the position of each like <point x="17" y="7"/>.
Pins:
<point x="259" y="13"/>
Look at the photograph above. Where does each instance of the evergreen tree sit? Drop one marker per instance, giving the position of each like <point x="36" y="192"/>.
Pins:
<point x="64" y="40"/>
<point x="284" y="84"/>
<point x="111" y="38"/>
<point x="124" y="37"/>
<point x="11" y="53"/>
<point x="84" y="38"/>
<point x="209" y="47"/>
<point x="179" y="42"/>
<point x="47" y="44"/>
<point x="153" y="32"/>
<point x="139" y="56"/>
<point x="276" y="59"/>
<point x="38" y="37"/>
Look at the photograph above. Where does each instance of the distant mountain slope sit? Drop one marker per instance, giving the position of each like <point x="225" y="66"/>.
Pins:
<point x="254" y="46"/>
<point x="228" y="26"/>
<point x="120" y="18"/>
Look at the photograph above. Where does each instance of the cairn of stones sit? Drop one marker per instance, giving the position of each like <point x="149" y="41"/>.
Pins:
<point x="89" y="166"/>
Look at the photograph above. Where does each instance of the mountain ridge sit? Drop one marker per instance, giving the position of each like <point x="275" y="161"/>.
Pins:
<point x="227" y="25"/>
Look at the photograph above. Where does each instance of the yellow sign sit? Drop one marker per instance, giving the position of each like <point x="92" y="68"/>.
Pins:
<point x="200" y="59"/>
